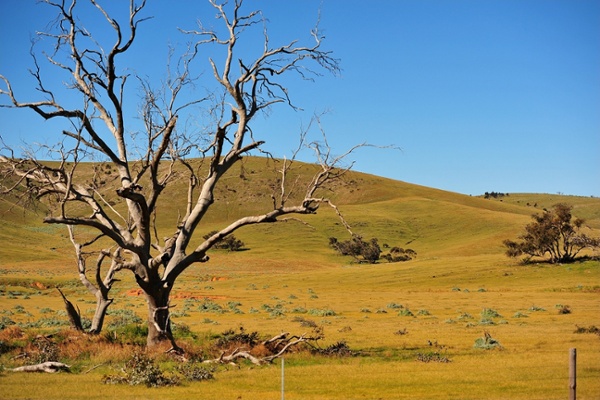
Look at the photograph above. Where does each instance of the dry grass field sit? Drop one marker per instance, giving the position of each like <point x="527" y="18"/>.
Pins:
<point x="412" y="326"/>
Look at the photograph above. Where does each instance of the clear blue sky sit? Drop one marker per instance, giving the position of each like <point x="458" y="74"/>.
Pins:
<point x="480" y="95"/>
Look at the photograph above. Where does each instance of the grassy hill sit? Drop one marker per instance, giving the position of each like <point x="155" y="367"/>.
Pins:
<point x="460" y="271"/>
<point x="432" y="222"/>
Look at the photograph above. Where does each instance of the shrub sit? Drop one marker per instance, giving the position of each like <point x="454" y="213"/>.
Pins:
<point x="488" y="313"/>
<point x="487" y="342"/>
<point x="42" y="349"/>
<point x="536" y="308"/>
<point x="356" y="247"/>
<point x="590" y="329"/>
<point x="339" y="349"/>
<point x="229" y="242"/>
<point x="195" y="373"/>
<point x="141" y="370"/>
<point x="405" y="312"/>
<point x="5" y="322"/>
<point x="210" y="306"/>
<point x="394" y="306"/>
<point x="231" y="338"/>
<point x="519" y="314"/>
<point x="432" y="356"/>
<point x="464" y="316"/>
<point x="563" y="309"/>
<point x="322" y="313"/>
<point x="398" y="254"/>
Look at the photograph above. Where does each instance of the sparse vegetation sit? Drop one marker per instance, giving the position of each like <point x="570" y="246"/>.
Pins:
<point x="140" y="369"/>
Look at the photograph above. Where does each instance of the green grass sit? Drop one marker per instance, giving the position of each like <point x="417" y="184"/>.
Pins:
<point x="460" y="270"/>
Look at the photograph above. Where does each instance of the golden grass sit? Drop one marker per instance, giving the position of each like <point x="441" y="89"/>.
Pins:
<point x="459" y="271"/>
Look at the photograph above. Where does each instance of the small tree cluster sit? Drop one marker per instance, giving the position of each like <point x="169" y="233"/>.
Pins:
<point x="370" y="252"/>
<point x="362" y="251"/>
<point x="229" y="242"/>
<point x="555" y="233"/>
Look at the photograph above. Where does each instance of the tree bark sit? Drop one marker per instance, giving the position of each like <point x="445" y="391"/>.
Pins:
<point x="159" y="319"/>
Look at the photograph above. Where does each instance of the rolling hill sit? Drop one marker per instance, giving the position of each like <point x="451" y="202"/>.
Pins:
<point x="434" y="223"/>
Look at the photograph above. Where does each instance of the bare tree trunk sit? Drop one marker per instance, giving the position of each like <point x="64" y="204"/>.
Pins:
<point x="102" y="305"/>
<point x="159" y="319"/>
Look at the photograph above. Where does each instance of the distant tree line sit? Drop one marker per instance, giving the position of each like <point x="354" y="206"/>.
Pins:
<point x="369" y="251"/>
<point x="494" y="195"/>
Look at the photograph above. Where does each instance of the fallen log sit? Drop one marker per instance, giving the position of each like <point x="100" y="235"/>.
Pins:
<point x="280" y="344"/>
<point x="48" y="366"/>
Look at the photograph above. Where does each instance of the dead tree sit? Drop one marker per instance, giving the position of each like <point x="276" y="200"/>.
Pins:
<point x="280" y="345"/>
<point x="148" y="164"/>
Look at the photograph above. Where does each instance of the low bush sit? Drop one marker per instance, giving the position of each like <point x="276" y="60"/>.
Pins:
<point x="488" y="313"/>
<point x="590" y="329"/>
<point x="432" y="356"/>
<point x="398" y="254"/>
<point x="322" y="312"/>
<point x="229" y="242"/>
<point x="209" y="306"/>
<point x="230" y="338"/>
<point x="563" y="309"/>
<point x="308" y="323"/>
<point x="394" y="306"/>
<point x="487" y="342"/>
<point x="405" y="312"/>
<point x="339" y="349"/>
<point x="141" y="370"/>
<point x="195" y="373"/>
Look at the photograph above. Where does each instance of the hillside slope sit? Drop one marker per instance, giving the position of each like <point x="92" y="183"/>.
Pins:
<point x="434" y="223"/>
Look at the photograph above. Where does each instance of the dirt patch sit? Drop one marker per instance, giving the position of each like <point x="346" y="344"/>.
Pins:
<point x="39" y="285"/>
<point x="134" y="292"/>
<point x="179" y="295"/>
